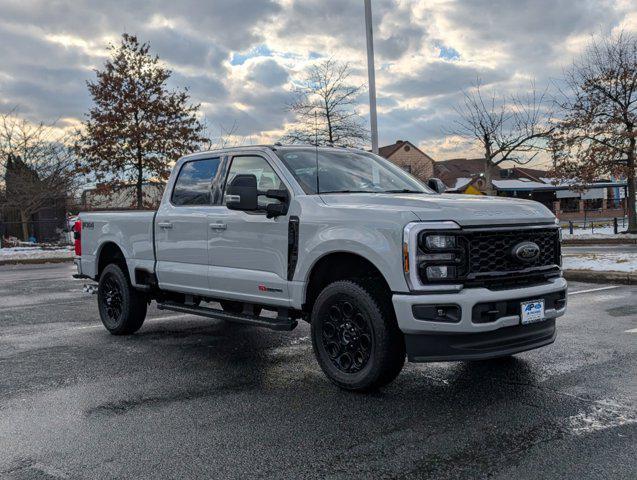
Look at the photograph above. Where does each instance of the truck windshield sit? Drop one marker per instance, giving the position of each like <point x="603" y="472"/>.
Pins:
<point x="347" y="172"/>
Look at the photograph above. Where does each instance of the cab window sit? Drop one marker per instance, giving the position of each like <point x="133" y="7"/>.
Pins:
<point x="194" y="182"/>
<point x="267" y="179"/>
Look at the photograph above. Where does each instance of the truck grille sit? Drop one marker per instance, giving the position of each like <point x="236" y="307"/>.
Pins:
<point x="491" y="251"/>
<point x="484" y="257"/>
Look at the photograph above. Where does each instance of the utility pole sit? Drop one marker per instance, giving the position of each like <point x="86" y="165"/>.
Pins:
<point x="372" y="77"/>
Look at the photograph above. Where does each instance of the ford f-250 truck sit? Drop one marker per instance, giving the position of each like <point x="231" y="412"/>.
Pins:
<point x="381" y="265"/>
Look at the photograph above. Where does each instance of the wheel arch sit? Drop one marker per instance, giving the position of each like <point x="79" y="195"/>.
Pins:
<point x="110" y="252"/>
<point x="341" y="265"/>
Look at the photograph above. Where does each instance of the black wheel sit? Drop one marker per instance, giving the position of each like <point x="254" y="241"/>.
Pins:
<point x="122" y="308"/>
<point x="355" y="336"/>
<point x="231" y="306"/>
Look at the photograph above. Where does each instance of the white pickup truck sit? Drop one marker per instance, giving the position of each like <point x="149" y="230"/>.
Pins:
<point x="381" y="265"/>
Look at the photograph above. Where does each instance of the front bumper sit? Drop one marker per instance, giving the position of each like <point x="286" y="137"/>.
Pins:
<point x="468" y="337"/>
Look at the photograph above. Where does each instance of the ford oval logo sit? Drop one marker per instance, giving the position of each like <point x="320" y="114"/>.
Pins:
<point x="526" y="251"/>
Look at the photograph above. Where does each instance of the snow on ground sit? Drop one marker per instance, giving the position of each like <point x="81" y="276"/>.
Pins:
<point x="600" y="262"/>
<point x="598" y="232"/>
<point x="28" y="253"/>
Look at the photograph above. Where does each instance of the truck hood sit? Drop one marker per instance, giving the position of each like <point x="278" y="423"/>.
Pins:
<point x="465" y="210"/>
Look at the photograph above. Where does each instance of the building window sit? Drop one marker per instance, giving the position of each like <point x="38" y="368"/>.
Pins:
<point x="593" y="204"/>
<point x="569" y="204"/>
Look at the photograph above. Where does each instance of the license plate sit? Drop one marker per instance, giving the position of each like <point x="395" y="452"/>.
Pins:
<point x="532" y="311"/>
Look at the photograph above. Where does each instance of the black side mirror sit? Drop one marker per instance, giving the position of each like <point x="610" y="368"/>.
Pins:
<point x="242" y="193"/>
<point x="437" y="185"/>
<point x="277" y="209"/>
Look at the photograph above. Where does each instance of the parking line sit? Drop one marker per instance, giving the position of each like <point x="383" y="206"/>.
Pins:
<point x="595" y="289"/>
<point x="634" y="330"/>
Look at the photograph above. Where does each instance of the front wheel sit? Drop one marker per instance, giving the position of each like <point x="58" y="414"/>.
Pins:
<point x="355" y="336"/>
<point x="122" y="308"/>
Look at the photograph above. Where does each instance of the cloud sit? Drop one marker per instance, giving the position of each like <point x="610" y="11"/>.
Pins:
<point x="441" y="77"/>
<point x="238" y="58"/>
<point x="268" y="73"/>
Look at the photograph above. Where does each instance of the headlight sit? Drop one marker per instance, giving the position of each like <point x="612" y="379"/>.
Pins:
<point x="440" y="242"/>
<point x="440" y="272"/>
<point x="433" y="254"/>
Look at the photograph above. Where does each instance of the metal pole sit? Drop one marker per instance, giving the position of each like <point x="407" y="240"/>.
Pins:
<point x="371" y="75"/>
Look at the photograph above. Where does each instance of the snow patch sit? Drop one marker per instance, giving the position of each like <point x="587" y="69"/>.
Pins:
<point x="600" y="262"/>
<point x="28" y="253"/>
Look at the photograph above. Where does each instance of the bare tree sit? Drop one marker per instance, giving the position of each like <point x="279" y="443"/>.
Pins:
<point x="325" y="108"/>
<point x="511" y="128"/>
<point x="137" y="126"/>
<point x="36" y="167"/>
<point x="597" y="134"/>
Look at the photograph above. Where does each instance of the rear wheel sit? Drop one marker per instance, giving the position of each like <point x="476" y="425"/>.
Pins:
<point x="122" y="308"/>
<point x="355" y="336"/>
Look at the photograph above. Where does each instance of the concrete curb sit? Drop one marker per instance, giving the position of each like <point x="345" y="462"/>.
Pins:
<point x="592" y="276"/>
<point x="35" y="261"/>
<point x="599" y="241"/>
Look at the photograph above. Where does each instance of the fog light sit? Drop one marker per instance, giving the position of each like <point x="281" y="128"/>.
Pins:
<point x="440" y="272"/>
<point x="440" y="242"/>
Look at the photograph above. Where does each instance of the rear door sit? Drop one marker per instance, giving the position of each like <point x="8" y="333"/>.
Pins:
<point x="181" y="228"/>
<point x="248" y="251"/>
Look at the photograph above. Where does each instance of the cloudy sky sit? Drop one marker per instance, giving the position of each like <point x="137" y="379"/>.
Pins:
<point x="239" y="58"/>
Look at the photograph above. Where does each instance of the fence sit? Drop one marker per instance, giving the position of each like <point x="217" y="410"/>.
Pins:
<point x="616" y="224"/>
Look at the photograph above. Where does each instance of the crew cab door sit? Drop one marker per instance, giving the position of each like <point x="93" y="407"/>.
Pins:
<point x="248" y="251"/>
<point x="181" y="228"/>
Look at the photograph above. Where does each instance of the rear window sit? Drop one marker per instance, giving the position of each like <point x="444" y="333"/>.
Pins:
<point x="193" y="185"/>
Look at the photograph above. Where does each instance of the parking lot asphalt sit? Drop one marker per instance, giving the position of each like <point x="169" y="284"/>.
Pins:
<point x="188" y="397"/>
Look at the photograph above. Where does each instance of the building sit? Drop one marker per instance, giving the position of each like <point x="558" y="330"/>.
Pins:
<point x="463" y="175"/>
<point x="410" y="158"/>
<point x="568" y="200"/>
<point x="47" y="223"/>
<point x="123" y="198"/>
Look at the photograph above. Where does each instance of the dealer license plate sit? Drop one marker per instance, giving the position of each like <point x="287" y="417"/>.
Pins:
<point x="532" y="311"/>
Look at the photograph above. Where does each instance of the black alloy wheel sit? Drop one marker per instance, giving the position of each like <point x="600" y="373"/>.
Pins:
<point x="347" y="336"/>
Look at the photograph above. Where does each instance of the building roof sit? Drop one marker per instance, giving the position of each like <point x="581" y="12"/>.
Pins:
<point x="388" y="150"/>
<point x="450" y="171"/>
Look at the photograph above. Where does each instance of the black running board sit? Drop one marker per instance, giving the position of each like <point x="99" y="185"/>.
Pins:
<point x="281" y="322"/>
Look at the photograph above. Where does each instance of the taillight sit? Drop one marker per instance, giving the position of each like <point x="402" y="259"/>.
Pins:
<point x="77" y="237"/>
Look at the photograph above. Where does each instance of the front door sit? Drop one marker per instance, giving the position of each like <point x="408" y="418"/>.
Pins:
<point x="247" y="250"/>
<point x="181" y="229"/>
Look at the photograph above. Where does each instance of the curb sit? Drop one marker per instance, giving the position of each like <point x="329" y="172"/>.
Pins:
<point x="599" y="241"/>
<point x="35" y="261"/>
<point x="592" y="276"/>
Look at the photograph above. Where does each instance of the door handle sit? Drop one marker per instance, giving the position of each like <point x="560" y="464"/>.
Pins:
<point x="218" y="226"/>
<point x="166" y="225"/>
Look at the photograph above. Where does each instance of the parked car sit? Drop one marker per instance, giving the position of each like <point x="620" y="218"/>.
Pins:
<point x="381" y="266"/>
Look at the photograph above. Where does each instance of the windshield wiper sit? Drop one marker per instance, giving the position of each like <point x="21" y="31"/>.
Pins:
<point x="401" y="190"/>
<point x="347" y="191"/>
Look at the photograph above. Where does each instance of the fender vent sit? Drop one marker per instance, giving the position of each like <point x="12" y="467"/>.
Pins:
<point x="293" y="245"/>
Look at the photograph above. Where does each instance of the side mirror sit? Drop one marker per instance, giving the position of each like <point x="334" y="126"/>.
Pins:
<point x="277" y="209"/>
<point x="437" y="185"/>
<point x="242" y="193"/>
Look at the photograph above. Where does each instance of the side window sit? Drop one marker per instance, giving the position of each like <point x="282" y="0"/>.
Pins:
<point x="194" y="182"/>
<point x="267" y="179"/>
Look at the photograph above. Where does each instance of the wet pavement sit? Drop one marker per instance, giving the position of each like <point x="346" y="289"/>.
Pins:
<point x="195" y="398"/>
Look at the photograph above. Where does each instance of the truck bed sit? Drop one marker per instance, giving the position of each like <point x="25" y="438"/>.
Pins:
<point x="132" y="231"/>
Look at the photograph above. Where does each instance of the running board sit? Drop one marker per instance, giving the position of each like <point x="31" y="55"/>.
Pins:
<point x="281" y="322"/>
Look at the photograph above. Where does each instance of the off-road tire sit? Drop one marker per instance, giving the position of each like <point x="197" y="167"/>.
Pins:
<point x="115" y="288"/>
<point x="386" y="353"/>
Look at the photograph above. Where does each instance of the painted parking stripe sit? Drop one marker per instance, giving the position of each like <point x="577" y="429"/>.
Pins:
<point x="595" y="289"/>
<point x="634" y="330"/>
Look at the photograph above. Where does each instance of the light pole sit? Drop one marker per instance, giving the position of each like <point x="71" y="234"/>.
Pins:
<point x="370" y="73"/>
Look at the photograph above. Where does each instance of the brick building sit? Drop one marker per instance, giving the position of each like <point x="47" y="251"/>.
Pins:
<point x="410" y="158"/>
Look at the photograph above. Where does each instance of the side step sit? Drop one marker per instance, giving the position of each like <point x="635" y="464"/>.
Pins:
<point x="281" y="322"/>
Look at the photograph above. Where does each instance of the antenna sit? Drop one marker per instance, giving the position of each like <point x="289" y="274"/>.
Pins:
<point x="318" y="188"/>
